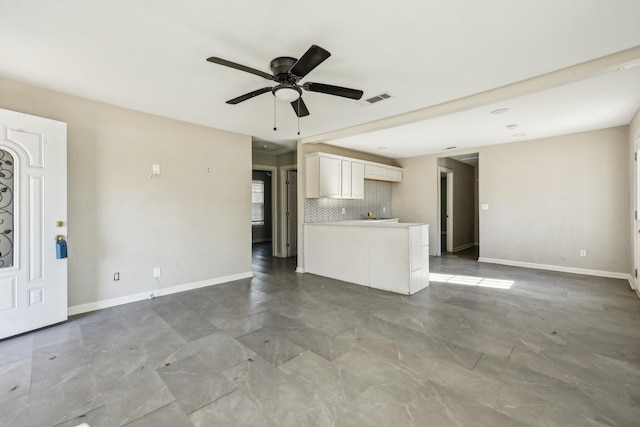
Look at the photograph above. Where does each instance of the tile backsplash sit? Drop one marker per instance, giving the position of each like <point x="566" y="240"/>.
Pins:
<point x="377" y="196"/>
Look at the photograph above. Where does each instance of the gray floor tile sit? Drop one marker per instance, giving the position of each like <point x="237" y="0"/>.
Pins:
<point x="279" y="395"/>
<point x="170" y="415"/>
<point x="232" y="410"/>
<point x="15" y="380"/>
<point x="336" y="385"/>
<point x="17" y="348"/>
<point x="221" y="351"/>
<point x="270" y="346"/>
<point x="136" y="395"/>
<point x="95" y="418"/>
<point x="195" y="383"/>
<point x="280" y="349"/>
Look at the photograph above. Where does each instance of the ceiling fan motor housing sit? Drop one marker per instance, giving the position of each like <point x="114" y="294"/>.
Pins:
<point x="280" y="68"/>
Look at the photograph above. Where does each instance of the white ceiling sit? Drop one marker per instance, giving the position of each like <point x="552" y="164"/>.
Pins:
<point x="150" y="55"/>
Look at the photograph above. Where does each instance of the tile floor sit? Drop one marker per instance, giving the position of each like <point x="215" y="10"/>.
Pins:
<point x="508" y="347"/>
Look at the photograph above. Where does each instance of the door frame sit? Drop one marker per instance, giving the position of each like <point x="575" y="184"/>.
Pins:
<point x="274" y="207"/>
<point x="282" y="248"/>
<point x="449" y="219"/>
<point x="635" y="214"/>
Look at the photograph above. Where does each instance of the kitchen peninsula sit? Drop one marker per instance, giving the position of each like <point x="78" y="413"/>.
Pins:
<point x="384" y="255"/>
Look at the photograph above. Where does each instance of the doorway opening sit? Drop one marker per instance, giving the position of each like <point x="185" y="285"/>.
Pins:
<point x="263" y="193"/>
<point x="458" y="210"/>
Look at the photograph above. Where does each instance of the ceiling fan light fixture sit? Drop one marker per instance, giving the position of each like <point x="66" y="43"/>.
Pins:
<point x="287" y="93"/>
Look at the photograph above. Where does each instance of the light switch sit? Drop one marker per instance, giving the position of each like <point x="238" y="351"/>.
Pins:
<point x="485" y="206"/>
<point x="155" y="170"/>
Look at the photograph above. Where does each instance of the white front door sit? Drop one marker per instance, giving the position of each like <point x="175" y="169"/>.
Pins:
<point x="33" y="213"/>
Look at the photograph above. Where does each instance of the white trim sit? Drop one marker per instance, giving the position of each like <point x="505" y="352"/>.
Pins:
<point x="282" y="250"/>
<point x="574" y="270"/>
<point x="300" y="270"/>
<point x="98" y="305"/>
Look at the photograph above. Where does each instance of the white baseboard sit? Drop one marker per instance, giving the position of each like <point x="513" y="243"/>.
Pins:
<point x="300" y="270"/>
<point x="98" y="305"/>
<point x="574" y="270"/>
<point x="463" y="247"/>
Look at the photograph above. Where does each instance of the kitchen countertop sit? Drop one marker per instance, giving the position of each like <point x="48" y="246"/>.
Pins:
<point x="386" y="223"/>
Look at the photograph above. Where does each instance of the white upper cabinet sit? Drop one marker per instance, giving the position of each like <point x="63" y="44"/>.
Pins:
<point x="382" y="172"/>
<point x="336" y="177"/>
<point x="357" y="180"/>
<point x="372" y="171"/>
<point x="324" y="177"/>
<point x="394" y="174"/>
<point x="346" y="179"/>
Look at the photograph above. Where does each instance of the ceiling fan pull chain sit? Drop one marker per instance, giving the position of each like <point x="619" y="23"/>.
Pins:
<point x="298" y="116"/>
<point x="274" y="114"/>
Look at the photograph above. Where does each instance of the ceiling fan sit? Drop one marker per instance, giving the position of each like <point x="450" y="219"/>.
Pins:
<point x="288" y="72"/>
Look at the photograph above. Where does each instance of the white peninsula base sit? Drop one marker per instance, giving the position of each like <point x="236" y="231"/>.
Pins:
<point x="389" y="256"/>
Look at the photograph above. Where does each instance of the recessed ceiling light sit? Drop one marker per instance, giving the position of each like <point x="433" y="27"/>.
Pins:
<point x="519" y="134"/>
<point x="451" y="148"/>
<point x="629" y="65"/>
<point x="513" y="126"/>
<point x="500" y="111"/>
<point x="382" y="148"/>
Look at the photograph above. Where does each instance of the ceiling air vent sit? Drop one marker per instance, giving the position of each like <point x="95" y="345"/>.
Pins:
<point x="375" y="99"/>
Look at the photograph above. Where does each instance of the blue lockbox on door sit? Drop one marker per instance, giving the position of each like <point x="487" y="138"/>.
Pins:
<point x="61" y="248"/>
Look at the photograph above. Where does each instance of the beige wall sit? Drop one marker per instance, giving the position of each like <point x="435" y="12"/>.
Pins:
<point x="287" y="159"/>
<point x="193" y="220"/>
<point x="547" y="199"/>
<point x="264" y="159"/>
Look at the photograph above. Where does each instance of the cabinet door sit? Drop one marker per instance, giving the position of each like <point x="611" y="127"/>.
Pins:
<point x="394" y="175"/>
<point x="346" y="179"/>
<point x="375" y="172"/>
<point x="357" y="180"/>
<point x="330" y="170"/>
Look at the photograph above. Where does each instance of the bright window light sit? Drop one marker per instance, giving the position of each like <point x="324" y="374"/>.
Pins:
<point x="485" y="282"/>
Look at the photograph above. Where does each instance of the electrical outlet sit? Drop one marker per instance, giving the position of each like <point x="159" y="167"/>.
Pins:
<point x="583" y="253"/>
<point x="156" y="272"/>
<point x="344" y="211"/>
<point x="384" y="209"/>
<point x="116" y="277"/>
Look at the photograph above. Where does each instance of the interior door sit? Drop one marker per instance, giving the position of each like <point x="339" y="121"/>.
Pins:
<point x="292" y="213"/>
<point x="33" y="213"/>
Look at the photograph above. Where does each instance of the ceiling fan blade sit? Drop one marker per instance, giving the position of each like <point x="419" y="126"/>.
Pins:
<point x="313" y="57"/>
<point x="300" y="108"/>
<point x="249" y="95"/>
<point x="230" y="64"/>
<point x="333" y="90"/>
